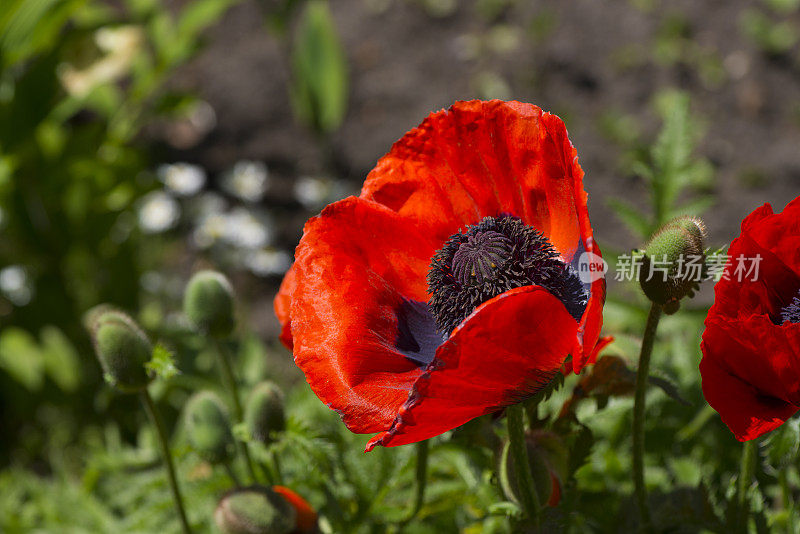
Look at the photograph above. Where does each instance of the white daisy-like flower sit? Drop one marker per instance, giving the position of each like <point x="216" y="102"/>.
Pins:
<point x="247" y="180"/>
<point x="311" y="192"/>
<point x="183" y="179"/>
<point x="211" y="229"/>
<point x="268" y="262"/>
<point x="15" y="285"/>
<point x="246" y="230"/>
<point x="158" y="212"/>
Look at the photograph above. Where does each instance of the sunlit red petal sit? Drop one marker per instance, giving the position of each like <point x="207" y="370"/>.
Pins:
<point x="357" y="265"/>
<point x="480" y="159"/>
<point x="282" y="305"/>
<point x="740" y="297"/>
<point x="777" y="232"/>
<point x="506" y="350"/>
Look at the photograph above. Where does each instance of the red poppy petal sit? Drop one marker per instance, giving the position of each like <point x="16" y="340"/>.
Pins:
<point x="480" y="159"/>
<point x="757" y="351"/>
<point x="777" y="232"/>
<point x="746" y="412"/>
<point x="740" y="297"/>
<point x="282" y="305"/>
<point x="505" y="351"/>
<point x="306" y="516"/>
<point x="358" y="269"/>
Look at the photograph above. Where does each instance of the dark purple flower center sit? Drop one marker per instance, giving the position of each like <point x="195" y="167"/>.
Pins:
<point x="490" y="258"/>
<point x="791" y="312"/>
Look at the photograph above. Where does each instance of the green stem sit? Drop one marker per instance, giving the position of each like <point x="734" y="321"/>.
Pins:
<point x="638" y="415"/>
<point x="150" y="408"/>
<point x="276" y="465"/>
<point x="422" y="480"/>
<point x="519" y="451"/>
<point x="746" y="471"/>
<point x="231" y="474"/>
<point x="229" y="381"/>
<point x="787" y="499"/>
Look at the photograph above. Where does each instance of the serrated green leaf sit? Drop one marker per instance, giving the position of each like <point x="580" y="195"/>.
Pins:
<point x="636" y="221"/>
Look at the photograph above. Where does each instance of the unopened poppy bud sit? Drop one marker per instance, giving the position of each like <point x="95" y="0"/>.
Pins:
<point x="263" y="414"/>
<point x="208" y="303"/>
<point x="673" y="264"/>
<point x="208" y="427"/>
<point x="547" y="458"/>
<point x="121" y="347"/>
<point x="254" y="510"/>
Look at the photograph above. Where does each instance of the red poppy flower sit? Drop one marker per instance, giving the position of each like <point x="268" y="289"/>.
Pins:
<point x="751" y="344"/>
<point x="448" y="288"/>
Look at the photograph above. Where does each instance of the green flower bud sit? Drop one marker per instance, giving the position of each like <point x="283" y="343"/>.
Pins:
<point x="263" y="414"/>
<point x="121" y="347"/>
<point x="548" y="459"/>
<point x="508" y="475"/>
<point x="673" y="264"/>
<point x="208" y="427"/>
<point x="254" y="510"/>
<point x="208" y="303"/>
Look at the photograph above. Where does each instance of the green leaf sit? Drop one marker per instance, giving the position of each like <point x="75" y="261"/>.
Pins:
<point x="319" y="94"/>
<point x="162" y="363"/>
<point x="21" y="357"/>
<point x="631" y="217"/>
<point x="61" y="360"/>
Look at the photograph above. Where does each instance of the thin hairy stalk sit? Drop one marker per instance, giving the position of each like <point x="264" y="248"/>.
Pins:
<point x="640" y="490"/>
<point x="150" y="408"/>
<point x="421" y="480"/>
<point x="519" y="451"/>
<point x="223" y="359"/>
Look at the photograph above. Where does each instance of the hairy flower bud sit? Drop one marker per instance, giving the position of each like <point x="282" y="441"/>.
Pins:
<point x="674" y="262"/>
<point x="208" y="303"/>
<point x="208" y="427"/>
<point x="254" y="510"/>
<point x="263" y="414"/>
<point x="547" y="457"/>
<point x="122" y="348"/>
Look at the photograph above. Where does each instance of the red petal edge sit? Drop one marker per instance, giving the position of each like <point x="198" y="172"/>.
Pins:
<point x="356" y="264"/>
<point x="504" y="352"/>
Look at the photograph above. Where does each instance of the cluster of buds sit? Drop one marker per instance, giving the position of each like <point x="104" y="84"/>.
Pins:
<point x="124" y="350"/>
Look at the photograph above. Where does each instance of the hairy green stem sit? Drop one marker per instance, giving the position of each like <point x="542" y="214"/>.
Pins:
<point x="747" y="470"/>
<point x="638" y="415"/>
<point x="519" y="451"/>
<point x="223" y="359"/>
<point x="150" y="408"/>
<point x="422" y="480"/>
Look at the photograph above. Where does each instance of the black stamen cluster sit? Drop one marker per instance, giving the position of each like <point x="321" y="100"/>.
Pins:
<point x="490" y="258"/>
<point x="791" y="312"/>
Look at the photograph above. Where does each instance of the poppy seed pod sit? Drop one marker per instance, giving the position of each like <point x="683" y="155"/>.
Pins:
<point x="263" y="414"/>
<point x="208" y="303"/>
<point x="208" y="427"/>
<point x="254" y="510"/>
<point x="121" y="347"/>
<point x="674" y="262"/>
